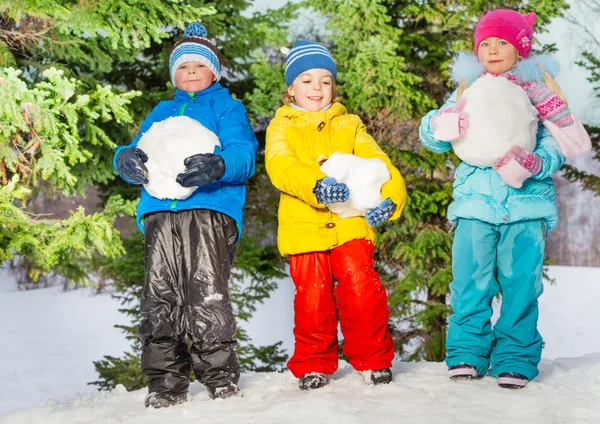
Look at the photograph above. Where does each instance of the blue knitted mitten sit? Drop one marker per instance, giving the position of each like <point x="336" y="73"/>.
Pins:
<point x="378" y="215"/>
<point x="328" y="190"/>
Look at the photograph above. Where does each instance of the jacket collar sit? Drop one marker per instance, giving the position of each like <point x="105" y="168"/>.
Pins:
<point x="336" y="109"/>
<point x="467" y="67"/>
<point x="185" y="96"/>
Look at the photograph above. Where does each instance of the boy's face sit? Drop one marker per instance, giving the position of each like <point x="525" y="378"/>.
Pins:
<point x="193" y="77"/>
<point x="313" y="90"/>
<point x="497" y="55"/>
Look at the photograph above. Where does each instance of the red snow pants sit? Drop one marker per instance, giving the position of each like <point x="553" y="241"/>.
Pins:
<point x="361" y="304"/>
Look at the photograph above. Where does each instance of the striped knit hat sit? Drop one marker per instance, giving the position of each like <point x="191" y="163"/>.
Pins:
<point x="307" y="55"/>
<point x="195" y="47"/>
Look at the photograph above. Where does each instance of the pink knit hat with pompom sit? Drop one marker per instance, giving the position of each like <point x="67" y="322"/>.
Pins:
<point x="509" y="25"/>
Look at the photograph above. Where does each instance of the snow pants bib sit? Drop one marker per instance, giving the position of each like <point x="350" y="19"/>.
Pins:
<point x="361" y="304"/>
<point x="188" y="261"/>
<point x="488" y="258"/>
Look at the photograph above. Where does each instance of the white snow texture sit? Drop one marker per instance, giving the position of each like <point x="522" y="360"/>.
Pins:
<point x="364" y="178"/>
<point x="167" y="143"/>
<point x="500" y="116"/>
<point x="50" y="338"/>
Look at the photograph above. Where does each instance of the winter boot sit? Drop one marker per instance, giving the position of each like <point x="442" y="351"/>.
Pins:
<point x="314" y="380"/>
<point x="377" y="377"/>
<point x="511" y="380"/>
<point x="463" y="372"/>
<point x="224" y="392"/>
<point x="165" y="399"/>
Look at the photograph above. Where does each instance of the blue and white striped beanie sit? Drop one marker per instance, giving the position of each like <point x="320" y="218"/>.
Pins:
<point x="307" y="55"/>
<point x="195" y="47"/>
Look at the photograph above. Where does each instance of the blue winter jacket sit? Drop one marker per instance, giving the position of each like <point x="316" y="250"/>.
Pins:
<point x="480" y="193"/>
<point x="214" y="108"/>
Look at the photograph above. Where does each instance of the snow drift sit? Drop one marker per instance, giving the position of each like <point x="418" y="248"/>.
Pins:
<point x="566" y="391"/>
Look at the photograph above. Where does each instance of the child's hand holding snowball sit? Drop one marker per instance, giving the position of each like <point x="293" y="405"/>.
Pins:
<point x="201" y="169"/>
<point x="328" y="190"/>
<point x="517" y="166"/>
<point x="130" y="164"/>
<point x="379" y="214"/>
<point x="451" y="123"/>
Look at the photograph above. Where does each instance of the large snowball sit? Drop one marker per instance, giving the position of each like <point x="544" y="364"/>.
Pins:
<point x="167" y="143"/>
<point x="364" y="178"/>
<point x="500" y="116"/>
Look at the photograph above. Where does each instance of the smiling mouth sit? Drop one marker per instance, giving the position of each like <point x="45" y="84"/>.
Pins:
<point x="314" y="98"/>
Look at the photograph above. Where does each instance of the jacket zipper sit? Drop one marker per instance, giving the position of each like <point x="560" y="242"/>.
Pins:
<point x="181" y="111"/>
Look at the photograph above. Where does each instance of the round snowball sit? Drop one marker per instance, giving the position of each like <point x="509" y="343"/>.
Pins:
<point x="364" y="178"/>
<point x="167" y="143"/>
<point x="500" y="116"/>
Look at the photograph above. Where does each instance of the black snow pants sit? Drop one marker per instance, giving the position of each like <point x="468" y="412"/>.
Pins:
<point x="188" y="259"/>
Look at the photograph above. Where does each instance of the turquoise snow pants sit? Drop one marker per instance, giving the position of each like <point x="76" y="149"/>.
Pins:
<point x="488" y="258"/>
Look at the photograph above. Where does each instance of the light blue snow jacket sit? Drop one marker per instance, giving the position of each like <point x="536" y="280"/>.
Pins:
<point x="480" y="193"/>
<point x="214" y="108"/>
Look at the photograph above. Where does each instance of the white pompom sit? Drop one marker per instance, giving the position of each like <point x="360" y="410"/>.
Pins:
<point x="167" y="143"/>
<point x="500" y="116"/>
<point x="364" y="178"/>
<point x="284" y="50"/>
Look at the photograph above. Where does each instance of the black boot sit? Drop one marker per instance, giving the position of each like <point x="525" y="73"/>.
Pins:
<point x="224" y="392"/>
<point x="377" y="377"/>
<point x="314" y="380"/>
<point x="165" y="399"/>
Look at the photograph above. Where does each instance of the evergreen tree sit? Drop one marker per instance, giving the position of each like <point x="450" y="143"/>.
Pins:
<point x="591" y="62"/>
<point x="61" y="60"/>
<point x="393" y="58"/>
<point x="54" y="138"/>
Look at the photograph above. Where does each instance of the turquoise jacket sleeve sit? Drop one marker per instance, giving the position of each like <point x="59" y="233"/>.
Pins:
<point x="426" y="133"/>
<point x="548" y="150"/>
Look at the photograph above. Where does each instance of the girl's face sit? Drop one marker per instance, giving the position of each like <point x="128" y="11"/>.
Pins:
<point x="497" y="55"/>
<point x="193" y="77"/>
<point x="312" y="90"/>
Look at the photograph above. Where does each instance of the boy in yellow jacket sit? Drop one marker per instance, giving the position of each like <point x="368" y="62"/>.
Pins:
<point x="321" y="245"/>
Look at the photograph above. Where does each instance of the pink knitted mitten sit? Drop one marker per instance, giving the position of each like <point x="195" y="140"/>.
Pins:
<point x="451" y="123"/>
<point x="518" y="165"/>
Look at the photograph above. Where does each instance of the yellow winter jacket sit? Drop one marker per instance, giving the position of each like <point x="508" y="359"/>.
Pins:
<point x="296" y="140"/>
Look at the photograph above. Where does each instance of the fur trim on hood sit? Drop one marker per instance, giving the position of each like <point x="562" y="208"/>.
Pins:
<point x="466" y="66"/>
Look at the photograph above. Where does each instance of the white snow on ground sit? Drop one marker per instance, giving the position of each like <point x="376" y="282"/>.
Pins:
<point x="569" y="319"/>
<point x="567" y="391"/>
<point x="49" y="339"/>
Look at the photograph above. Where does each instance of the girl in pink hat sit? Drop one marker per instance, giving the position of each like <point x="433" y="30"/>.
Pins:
<point x="510" y="126"/>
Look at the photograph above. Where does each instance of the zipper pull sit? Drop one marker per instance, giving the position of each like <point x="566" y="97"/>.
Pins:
<point x="321" y="126"/>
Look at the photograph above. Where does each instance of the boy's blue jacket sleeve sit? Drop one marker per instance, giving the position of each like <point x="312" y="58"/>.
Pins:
<point x="144" y="127"/>
<point x="238" y="143"/>
<point x="426" y="133"/>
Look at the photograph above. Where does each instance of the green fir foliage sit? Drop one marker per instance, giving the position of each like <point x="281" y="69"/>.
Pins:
<point x="588" y="180"/>
<point x="76" y="79"/>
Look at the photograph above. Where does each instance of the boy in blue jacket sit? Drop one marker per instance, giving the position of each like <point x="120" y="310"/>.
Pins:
<point x="190" y="243"/>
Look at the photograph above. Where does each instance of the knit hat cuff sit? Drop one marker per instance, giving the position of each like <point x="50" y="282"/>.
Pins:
<point x="194" y="52"/>
<point x="307" y="55"/>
